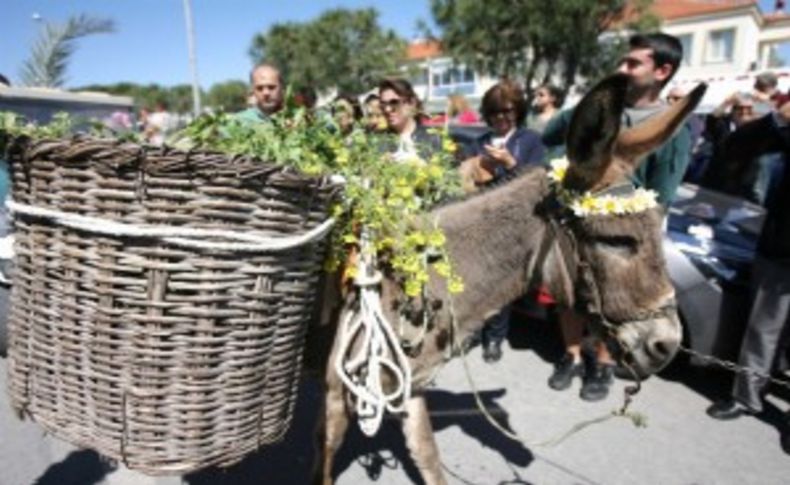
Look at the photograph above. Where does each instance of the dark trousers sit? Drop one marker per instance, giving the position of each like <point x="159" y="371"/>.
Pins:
<point x="767" y="328"/>
<point x="496" y="327"/>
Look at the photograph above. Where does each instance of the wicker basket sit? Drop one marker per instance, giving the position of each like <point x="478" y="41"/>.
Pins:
<point x="168" y="358"/>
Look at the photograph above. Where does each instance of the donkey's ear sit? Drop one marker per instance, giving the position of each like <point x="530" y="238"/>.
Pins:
<point x="593" y="132"/>
<point x="635" y="142"/>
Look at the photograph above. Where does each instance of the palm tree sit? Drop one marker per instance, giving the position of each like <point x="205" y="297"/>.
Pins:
<point x="51" y="53"/>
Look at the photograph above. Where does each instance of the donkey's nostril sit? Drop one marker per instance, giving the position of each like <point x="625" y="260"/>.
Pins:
<point x="662" y="349"/>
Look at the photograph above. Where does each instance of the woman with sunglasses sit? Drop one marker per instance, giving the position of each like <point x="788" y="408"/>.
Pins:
<point x="403" y="112"/>
<point x="507" y="147"/>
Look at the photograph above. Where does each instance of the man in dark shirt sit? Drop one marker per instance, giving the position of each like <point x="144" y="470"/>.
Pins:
<point x="651" y="62"/>
<point x="770" y="316"/>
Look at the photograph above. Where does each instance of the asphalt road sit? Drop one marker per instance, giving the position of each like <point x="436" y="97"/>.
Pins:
<point x="680" y="445"/>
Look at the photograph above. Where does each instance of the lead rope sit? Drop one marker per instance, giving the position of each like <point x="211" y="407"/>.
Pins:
<point x="638" y="420"/>
<point x="378" y="349"/>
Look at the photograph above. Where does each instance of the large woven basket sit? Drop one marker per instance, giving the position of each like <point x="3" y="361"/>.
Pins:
<point x="165" y="356"/>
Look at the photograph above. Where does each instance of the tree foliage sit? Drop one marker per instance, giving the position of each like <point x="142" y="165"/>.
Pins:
<point x="54" y="47"/>
<point x="178" y="98"/>
<point x="342" y="48"/>
<point x="537" y="40"/>
<point x="228" y="96"/>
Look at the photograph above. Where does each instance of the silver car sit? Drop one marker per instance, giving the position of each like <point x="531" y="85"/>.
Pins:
<point x="710" y="246"/>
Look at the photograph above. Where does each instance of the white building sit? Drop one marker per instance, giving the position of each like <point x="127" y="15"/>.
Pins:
<point x="435" y="77"/>
<point x="726" y="43"/>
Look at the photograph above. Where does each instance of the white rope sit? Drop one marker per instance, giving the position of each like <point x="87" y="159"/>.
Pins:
<point x="378" y="351"/>
<point x="186" y="237"/>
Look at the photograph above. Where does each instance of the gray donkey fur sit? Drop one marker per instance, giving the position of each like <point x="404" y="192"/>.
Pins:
<point x="496" y="242"/>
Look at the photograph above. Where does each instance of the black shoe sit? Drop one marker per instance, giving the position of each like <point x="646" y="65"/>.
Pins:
<point x="784" y="440"/>
<point x="492" y="351"/>
<point x="727" y="410"/>
<point x="564" y="372"/>
<point x="597" y="381"/>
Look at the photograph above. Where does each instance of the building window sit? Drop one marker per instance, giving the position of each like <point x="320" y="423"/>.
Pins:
<point x="419" y="76"/>
<point x="685" y="42"/>
<point x="453" y="80"/>
<point x="720" y="46"/>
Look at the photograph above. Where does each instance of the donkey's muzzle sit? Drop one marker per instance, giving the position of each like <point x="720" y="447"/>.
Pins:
<point x="647" y="346"/>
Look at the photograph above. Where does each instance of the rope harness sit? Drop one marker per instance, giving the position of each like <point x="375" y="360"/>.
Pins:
<point x="369" y="351"/>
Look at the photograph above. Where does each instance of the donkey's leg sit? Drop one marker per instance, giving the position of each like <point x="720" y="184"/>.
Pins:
<point x="421" y="441"/>
<point x="332" y="426"/>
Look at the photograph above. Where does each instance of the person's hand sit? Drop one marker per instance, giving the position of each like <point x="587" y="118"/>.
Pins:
<point x="725" y="105"/>
<point x="499" y="156"/>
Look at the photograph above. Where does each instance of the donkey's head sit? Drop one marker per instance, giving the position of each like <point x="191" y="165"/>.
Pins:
<point x="618" y="273"/>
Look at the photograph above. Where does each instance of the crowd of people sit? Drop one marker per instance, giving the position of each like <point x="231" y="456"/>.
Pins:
<point x="740" y="148"/>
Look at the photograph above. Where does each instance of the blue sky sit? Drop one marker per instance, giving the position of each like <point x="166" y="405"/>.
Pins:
<point x="150" y="42"/>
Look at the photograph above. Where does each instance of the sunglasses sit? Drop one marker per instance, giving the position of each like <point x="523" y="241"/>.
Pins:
<point x="393" y="103"/>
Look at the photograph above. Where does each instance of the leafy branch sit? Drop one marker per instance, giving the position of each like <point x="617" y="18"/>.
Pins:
<point x="56" y="43"/>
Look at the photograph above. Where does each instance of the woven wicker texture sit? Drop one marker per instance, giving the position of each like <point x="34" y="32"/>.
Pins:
<point x="167" y="359"/>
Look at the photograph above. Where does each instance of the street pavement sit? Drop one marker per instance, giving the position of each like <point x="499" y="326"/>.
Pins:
<point x="681" y="445"/>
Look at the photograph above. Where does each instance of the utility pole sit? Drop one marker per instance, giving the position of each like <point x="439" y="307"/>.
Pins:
<point x="192" y="58"/>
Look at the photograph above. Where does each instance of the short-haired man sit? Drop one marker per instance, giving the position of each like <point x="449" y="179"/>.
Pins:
<point x="266" y="84"/>
<point x="651" y="62"/>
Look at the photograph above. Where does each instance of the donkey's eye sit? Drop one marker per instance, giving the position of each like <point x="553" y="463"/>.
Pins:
<point x="626" y="245"/>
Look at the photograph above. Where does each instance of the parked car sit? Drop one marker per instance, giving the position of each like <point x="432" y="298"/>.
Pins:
<point x="711" y="242"/>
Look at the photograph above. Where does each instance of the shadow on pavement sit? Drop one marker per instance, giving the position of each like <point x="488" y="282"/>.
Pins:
<point x="285" y="463"/>
<point x="292" y="460"/>
<point x="83" y="467"/>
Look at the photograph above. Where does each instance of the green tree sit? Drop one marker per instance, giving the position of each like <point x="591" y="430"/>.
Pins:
<point x="54" y="47"/>
<point x="228" y="96"/>
<point x="178" y="98"/>
<point x="535" y="40"/>
<point x="342" y="48"/>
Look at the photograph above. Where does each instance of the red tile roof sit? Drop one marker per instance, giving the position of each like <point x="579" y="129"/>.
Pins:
<point x="678" y="9"/>
<point x="423" y="49"/>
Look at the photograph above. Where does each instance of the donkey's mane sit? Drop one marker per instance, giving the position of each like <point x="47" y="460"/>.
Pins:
<point x="484" y="189"/>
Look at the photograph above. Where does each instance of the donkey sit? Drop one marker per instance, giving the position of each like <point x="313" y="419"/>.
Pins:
<point x="505" y="239"/>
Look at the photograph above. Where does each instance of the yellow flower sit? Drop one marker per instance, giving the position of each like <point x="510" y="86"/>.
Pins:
<point x="442" y="268"/>
<point x="350" y="272"/>
<point x="404" y="191"/>
<point x="412" y="288"/>
<point x="456" y="285"/>
<point x="436" y="239"/>
<point x="342" y="156"/>
<point x="421" y="277"/>
<point x="385" y="243"/>
<point x="416" y="238"/>
<point x="449" y="145"/>
<point x="434" y="172"/>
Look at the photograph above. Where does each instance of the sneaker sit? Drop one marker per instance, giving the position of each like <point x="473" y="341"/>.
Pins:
<point x="597" y="381"/>
<point x="564" y="372"/>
